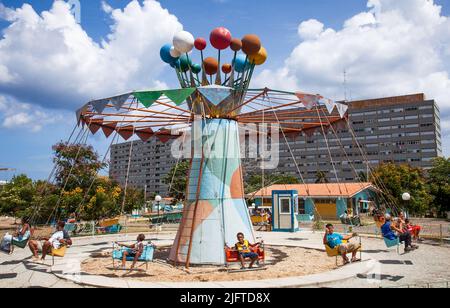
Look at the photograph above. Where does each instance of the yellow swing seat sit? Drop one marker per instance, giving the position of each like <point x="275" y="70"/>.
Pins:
<point x="60" y="252"/>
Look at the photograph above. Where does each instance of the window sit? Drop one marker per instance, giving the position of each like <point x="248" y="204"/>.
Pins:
<point x="285" y="205"/>
<point x="301" y="206"/>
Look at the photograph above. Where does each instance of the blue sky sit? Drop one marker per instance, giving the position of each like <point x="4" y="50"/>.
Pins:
<point x="277" y="22"/>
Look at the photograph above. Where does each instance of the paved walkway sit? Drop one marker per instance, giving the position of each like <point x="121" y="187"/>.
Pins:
<point x="386" y="268"/>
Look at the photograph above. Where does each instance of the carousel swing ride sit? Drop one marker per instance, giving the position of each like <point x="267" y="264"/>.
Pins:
<point x="214" y="100"/>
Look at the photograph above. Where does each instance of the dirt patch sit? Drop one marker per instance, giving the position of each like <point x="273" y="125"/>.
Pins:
<point x="280" y="262"/>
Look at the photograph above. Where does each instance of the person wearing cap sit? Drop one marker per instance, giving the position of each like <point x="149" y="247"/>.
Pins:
<point x="389" y="231"/>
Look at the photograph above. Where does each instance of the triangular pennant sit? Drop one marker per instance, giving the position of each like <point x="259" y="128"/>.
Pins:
<point x="148" y="98"/>
<point x="330" y="104"/>
<point x="80" y="112"/>
<point x="145" y="134"/>
<point x="215" y="94"/>
<point x="95" y="125"/>
<point x="308" y="100"/>
<point x="126" y="132"/>
<point x="100" y="104"/>
<point x="109" y="129"/>
<point x="342" y="109"/>
<point x="180" y="95"/>
<point x="119" y="100"/>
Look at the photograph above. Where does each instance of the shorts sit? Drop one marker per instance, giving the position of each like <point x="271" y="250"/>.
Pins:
<point x="349" y="248"/>
<point x="250" y="255"/>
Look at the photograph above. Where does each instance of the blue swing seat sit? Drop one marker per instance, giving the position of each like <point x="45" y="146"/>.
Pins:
<point x="147" y="254"/>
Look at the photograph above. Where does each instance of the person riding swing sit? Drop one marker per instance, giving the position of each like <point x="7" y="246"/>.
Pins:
<point x="243" y="248"/>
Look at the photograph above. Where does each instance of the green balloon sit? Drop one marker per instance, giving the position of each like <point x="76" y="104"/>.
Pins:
<point x="185" y="63"/>
<point x="196" y="68"/>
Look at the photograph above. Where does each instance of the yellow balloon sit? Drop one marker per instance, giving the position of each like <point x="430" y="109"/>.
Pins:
<point x="259" y="58"/>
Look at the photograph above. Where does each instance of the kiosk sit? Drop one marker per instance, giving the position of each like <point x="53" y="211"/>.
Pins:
<point x="285" y="211"/>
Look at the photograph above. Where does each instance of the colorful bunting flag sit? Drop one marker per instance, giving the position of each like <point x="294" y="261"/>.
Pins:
<point x="80" y="112"/>
<point x="126" y="132"/>
<point x="109" y="129"/>
<point x="330" y="104"/>
<point x="148" y="98"/>
<point x="342" y="109"/>
<point x="95" y="125"/>
<point x="180" y="95"/>
<point x="308" y="100"/>
<point x="145" y="134"/>
<point x="100" y="104"/>
<point x="118" y="101"/>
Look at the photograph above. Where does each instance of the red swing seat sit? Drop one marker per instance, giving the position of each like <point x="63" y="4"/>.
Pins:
<point x="232" y="255"/>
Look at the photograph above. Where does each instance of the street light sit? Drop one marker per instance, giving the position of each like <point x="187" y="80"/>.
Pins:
<point x="406" y="196"/>
<point x="158" y="199"/>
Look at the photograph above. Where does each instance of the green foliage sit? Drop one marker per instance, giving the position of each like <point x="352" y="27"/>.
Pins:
<point x="254" y="182"/>
<point x="76" y="165"/>
<point x="439" y="185"/>
<point x="399" y="179"/>
<point x="178" y="178"/>
<point x="321" y="178"/>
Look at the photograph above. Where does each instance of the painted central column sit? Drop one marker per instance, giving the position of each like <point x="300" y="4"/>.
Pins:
<point x="216" y="188"/>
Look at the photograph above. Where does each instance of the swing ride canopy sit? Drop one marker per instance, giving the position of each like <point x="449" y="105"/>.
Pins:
<point x="218" y="96"/>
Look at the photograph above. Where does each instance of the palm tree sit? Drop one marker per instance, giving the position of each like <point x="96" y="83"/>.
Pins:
<point x="321" y="178"/>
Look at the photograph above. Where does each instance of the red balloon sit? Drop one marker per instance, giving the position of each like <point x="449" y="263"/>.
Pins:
<point x="220" y="38"/>
<point x="200" y="43"/>
<point x="227" y="68"/>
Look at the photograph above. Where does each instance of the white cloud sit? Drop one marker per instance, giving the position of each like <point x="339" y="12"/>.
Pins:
<point x="395" y="47"/>
<point x="15" y="115"/>
<point x="48" y="59"/>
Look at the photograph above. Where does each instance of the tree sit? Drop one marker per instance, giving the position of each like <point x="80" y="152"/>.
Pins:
<point x="321" y="178"/>
<point x="76" y="166"/>
<point x="439" y="185"/>
<point x="398" y="179"/>
<point x="254" y="182"/>
<point x="177" y="179"/>
<point x="17" y="196"/>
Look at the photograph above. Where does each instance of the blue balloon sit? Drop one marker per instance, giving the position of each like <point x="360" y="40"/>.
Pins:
<point x="241" y="64"/>
<point x="165" y="54"/>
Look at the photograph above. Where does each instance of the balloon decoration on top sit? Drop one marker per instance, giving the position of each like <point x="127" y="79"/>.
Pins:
<point x="246" y="53"/>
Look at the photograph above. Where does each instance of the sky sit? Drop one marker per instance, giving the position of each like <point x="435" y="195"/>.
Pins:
<point x="53" y="61"/>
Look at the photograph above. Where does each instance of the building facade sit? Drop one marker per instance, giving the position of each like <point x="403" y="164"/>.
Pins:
<point x="403" y="130"/>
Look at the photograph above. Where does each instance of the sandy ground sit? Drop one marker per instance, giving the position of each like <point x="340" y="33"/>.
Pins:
<point x="280" y="262"/>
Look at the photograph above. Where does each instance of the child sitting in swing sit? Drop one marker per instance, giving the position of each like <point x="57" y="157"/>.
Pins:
<point x="135" y="251"/>
<point x="243" y="247"/>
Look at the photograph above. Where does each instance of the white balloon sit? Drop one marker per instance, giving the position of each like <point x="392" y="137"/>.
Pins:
<point x="183" y="42"/>
<point x="406" y="197"/>
<point x="174" y="52"/>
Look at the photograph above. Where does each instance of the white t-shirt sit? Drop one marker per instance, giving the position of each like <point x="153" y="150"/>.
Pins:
<point x="56" y="237"/>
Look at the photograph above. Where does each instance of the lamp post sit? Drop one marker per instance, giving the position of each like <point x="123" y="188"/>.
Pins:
<point x="406" y="197"/>
<point x="158" y="199"/>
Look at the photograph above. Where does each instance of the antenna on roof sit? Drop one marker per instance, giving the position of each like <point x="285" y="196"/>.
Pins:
<point x="345" y="85"/>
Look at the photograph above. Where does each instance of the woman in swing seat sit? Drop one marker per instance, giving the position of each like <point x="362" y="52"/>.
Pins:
<point x="22" y="234"/>
<point x="56" y="241"/>
<point x="389" y="231"/>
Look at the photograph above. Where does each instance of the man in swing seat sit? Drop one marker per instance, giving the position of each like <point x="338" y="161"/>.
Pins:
<point x="56" y="241"/>
<point x="243" y="248"/>
<point x="334" y="240"/>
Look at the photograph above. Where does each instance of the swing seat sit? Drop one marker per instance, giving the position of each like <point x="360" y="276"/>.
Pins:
<point x="114" y="229"/>
<point x="232" y="255"/>
<point x="21" y="244"/>
<point x="391" y="243"/>
<point x="109" y="222"/>
<point x="147" y="255"/>
<point x="70" y="227"/>
<point x="60" y="252"/>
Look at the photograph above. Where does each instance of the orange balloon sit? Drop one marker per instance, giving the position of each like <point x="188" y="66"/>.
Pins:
<point x="211" y="66"/>
<point x="226" y="68"/>
<point x="251" y="44"/>
<point x="236" y="44"/>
